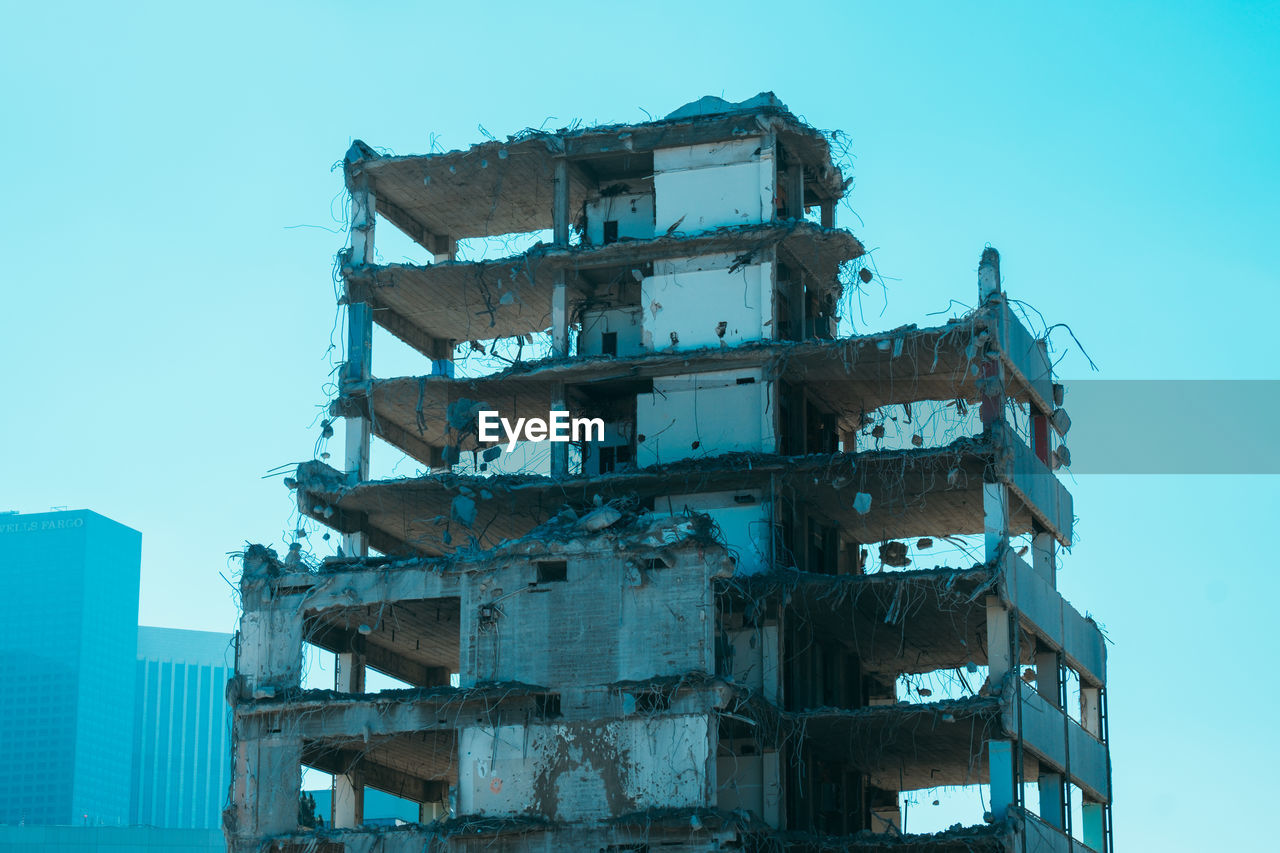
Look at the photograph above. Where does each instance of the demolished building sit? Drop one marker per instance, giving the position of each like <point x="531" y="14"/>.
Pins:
<point x="694" y="634"/>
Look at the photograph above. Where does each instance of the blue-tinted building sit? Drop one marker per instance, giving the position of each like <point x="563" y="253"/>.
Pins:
<point x="181" y="733"/>
<point x="68" y="646"/>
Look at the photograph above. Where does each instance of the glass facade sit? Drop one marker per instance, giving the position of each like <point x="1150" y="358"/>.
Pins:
<point x="181" y="733"/>
<point x="68" y="645"/>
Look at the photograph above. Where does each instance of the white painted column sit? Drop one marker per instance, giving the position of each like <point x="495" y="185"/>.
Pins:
<point x="1002" y="755"/>
<point x="1052" y="791"/>
<point x="1002" y="663"/>
<point x="1093" y="815"/>
<point x="560" y="310"/>
<point x="348" y="794"/>
<point x="995" y="521"/>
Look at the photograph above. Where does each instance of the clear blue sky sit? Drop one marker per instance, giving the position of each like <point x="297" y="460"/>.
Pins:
<point x="165" y="326"/>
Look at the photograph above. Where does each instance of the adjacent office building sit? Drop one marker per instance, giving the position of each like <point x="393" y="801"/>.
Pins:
<point x="68" y="646"/>
<point x="181" y="738"/>
<point x="108" y="724"/>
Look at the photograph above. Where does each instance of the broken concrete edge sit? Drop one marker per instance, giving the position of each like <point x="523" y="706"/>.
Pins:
<point x="305" y="700"/>
<point x="846" y="247"/>
<point x="738" y="826"/>
<point x="993" y="836"/>
<point x="563" y="534"/>
<point x="351" y="400"/>
<point x="724" y="698"/>
<point x="720" y="126"/>
<point x="321" y="489"/>
<point x="322" y="481"/>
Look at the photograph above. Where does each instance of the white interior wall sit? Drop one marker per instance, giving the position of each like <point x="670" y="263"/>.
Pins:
<point x="632" y="211"/>
<point x="701" y="187"/>
<point x="705" y="414"/>
<point x="625" y="322"/>
<point x="686" y="300"/>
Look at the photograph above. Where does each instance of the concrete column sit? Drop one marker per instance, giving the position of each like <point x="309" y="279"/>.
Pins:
<point x="995" y="525"/>
<point x="794" y="176"/>
<point x="988" y="275"/>
<point x="1093" y="815"/>
<point x="999" y="643"/>
<point x="560" y="309"/>
<point x="991" y="393"/>
<point x="560" y="203"/>
<point x="1043" y="555"/>
<point x="1001" y="755"/>
<point x="559" y="349"/>
<point x="442" y="357"/>
<point x="1052" y="791"/>
<point x="267" y="765"/>
<point x="267" y="784"/>
<point x="358" y="367"/>
<point x="1091" y="711"/>
<point x="1093" y="819"/>
<point x="348" y="794"/>
<point x="828" y="214"/>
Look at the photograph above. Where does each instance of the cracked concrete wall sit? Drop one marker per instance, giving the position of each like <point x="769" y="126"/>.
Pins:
<point x="585" y="770"/>
<point x="699" y="187"/>
<point x="614" y="617"/>
<point x="705" y="414"/>
<point x="707" y="301"/>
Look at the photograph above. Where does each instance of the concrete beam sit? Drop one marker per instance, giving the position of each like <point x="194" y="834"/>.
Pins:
<point x="356" y="764"/>
<point x="343" y="642"/>
<point x="1051" y="736"/>
<point x="1045" y="613"/>
<point x="1034" y="484"/>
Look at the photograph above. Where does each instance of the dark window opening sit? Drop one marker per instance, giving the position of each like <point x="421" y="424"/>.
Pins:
<point x="553" y="571"/>
<point x="747" y="380"/>
<point x="549" y="705"/>
<point x="651" y="702"/>
<point x="610" y="231"/>
<point x="622" y="454"/>
<point x="609" y="343"/>
<point x="655" y="563"/>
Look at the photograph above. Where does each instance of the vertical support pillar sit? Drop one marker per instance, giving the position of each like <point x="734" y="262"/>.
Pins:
<point x="1093" y="825"/>
<point x="1004" y="756"/>
<point x="828" y="214"/>
<point x="348" y="794"/>
<point x="1052" y="791"/>
<point x="358" y="368"/>
<point x="995" y="510"/>
<point x="991" y="370"/>
<point x="442" y="357"/>
<point x="794" y="176"/>
<point x="266" y="774"/>
<point x="1043" y="555"/>
<point x="1001" y="757"/>
<point x="1093" y="815"/>
<point x="1000" y="660"/>
<point x="560" y="310"/>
